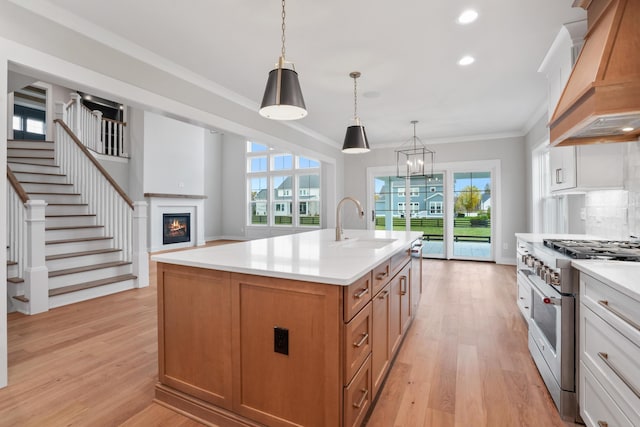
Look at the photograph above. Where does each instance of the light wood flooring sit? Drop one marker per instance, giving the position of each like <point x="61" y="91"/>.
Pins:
<point x="464" y="362"/>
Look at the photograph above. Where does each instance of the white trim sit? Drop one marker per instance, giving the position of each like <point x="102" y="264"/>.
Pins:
<point x="4" y="374"/>
<point x="489" y="137"/>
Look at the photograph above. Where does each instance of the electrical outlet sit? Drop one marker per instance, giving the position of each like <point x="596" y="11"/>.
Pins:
<point x="281" y="340"/>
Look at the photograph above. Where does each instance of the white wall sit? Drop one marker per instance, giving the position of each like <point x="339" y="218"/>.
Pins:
<point x="174" y="156"/>
<point x="509" y="151"/>
<point x="213" y="179"/>
<point x="233" y="187"/>
<point x="136" y="151"/>
<point x="3" y="209"/>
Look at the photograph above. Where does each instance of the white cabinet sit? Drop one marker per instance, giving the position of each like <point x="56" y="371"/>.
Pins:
<point x="587" y="167"/>
<point x="609" y="388"/>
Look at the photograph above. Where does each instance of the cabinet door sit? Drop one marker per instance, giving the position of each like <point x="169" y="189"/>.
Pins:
<point x="416" y="283"/>
<point x="381" y="349"/>
<point x="562" y="165"/>
<point x="357" y="342"/>
<point x="405" y="298"/>
<point x="395" y="326"/>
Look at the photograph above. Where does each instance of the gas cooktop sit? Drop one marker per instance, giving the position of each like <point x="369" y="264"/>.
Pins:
<point x="596" y="249"/>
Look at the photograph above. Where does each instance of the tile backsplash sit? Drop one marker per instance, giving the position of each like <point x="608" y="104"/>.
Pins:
<point x="615" y="214"/>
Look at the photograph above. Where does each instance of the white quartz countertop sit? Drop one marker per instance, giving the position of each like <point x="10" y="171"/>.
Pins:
<point x="313" y="256"/>
<point x="539" y="237"/>
<point x="620" y="275"/>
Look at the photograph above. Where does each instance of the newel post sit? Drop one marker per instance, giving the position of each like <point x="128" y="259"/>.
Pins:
<point x="98" y="144"/>
<point x="36" y="273"/>
<point x="140" y="257"/>
<point x="77" y="111"/>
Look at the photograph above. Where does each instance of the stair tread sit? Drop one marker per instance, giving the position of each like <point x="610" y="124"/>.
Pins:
<point x="72" y="227"/>
<point x="11" y="262"/>
<point x="21" y="298"/>
<point x="83" y="253"/>
<point x="67" y="204"/>
<point x="88" y="285"/>
<point x="27" y="157"/>
<point x="30" y="140"/>
<point x="54" y="194"/>
<point x="30" y="148"/>
<point x="40" y="173"/>
<point x="44" y="182"/>
<point x="22" y="162"/>
<point x="81" y="239"/>
<point x="84" y="268"/>
<point x="15" y="280"/>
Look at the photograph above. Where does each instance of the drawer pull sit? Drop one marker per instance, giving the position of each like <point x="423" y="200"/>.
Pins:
<point x="364" y="339"/>
<point x="603" y="424"/>
<point x="605" y="359"/>
<point x="362" y="293"/>
<point x="403" y="285"/>
<point x="381" y="276"/>
<point x="365" y="393"/>
<point x="606" y="306"/>
<point x="383" y="294"/>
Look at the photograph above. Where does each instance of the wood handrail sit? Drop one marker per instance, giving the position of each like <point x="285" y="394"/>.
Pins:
<point x="97" y="164"/>
<point x="17" y="186"/>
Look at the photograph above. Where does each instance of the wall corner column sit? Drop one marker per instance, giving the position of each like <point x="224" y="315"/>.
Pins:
<point x="140" y="255"/>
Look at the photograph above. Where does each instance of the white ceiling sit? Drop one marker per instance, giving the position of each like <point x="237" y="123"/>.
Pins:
<point x="406" y="50"/>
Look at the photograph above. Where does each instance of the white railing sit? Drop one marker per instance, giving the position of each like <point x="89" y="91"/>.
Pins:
<point x="97" y="133"/>
<point x="16" y="228"/>
<point x="105" y="198"/>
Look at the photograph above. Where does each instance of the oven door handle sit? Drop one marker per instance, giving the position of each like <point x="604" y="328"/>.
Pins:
<point x="552" y="300"/>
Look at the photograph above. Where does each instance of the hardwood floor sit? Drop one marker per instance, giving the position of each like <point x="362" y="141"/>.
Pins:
<point x="464" y="362"/>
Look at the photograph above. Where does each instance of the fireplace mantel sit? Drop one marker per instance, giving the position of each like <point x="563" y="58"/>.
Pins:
<point x="175" y="196"/>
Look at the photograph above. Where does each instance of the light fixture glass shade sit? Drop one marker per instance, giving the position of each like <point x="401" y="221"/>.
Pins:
<point x="355" y="140"/>
<point x="282" y="98"/>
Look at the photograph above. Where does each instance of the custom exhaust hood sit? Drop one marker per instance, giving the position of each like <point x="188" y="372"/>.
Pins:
<point x="601" y="100"/>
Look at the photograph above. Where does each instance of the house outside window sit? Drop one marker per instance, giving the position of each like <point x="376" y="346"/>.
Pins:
<point x="277" y="182"/>
<point x="435" y="208"/>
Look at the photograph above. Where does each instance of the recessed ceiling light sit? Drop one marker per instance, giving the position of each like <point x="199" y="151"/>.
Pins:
<point x="467" y="17"/>
<point x="627" y="129"/>
<point x="466" y="60"/>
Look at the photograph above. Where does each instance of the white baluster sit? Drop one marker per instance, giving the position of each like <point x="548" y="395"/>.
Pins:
<point x="97" y="125"/>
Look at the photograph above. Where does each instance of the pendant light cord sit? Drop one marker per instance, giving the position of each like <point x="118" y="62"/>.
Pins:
<point x="355" y="97"/>
<point x="283" y="27"/>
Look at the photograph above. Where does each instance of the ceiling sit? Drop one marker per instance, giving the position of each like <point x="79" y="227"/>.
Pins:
<point x="407" y="52"/>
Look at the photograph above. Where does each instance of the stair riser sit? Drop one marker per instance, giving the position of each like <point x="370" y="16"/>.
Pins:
<point x="80" y="261"/>
<point x="47" y="188"/>
<point x="70" y="221"/>
<point x="57" y="198"/>
<point x="14" y="289"/>
<point x="40" y="177"/>
<point x="66" y="248"/>
<point x="78" y="233"/>
<point x="12" y="143"/>
<point x="38" y="161"/>
<point x="21" y="167"/>
<point x="12" y="271"/>
<point x="34" y="154"/>
<point x="19" y="306"/>
<point x="86" y="294"/>
<point x="67" y="210"/>
<point x="87" y="276"/>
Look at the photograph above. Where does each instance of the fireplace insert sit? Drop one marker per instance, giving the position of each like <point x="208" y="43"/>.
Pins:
<point x="176" y="228"/>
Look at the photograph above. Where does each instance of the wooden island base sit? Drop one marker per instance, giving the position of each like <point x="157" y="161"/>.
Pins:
<point x="247" y="350"/>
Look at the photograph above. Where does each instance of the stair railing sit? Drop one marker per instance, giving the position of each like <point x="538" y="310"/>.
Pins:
<point x="106" y="199"/>
<point x="16" y="222"/>
<point x="99" y="134"/>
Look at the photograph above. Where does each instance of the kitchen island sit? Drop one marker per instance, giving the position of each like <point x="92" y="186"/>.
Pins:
<point x="291" y="330"/>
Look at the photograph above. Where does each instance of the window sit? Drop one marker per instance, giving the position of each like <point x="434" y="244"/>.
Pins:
<point x="17" y="123"/>
<point x="35" y="126"/>
<point x="283" y="189"/>
<point x="435" y="208"/>
<point x="415" y="207"/>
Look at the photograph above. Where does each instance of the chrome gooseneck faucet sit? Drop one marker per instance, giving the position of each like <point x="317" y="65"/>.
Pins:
<point x="339" y="219"/>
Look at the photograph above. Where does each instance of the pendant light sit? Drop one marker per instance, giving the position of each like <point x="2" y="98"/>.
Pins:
<point x="282" y="98"/>
<point x="355" y="141"/>
<point x="413" y="156"/>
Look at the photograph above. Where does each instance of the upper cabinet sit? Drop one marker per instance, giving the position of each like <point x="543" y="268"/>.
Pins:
<point x="587" y="167"/>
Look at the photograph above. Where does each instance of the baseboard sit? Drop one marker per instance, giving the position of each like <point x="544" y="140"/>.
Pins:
<point x="506" y="261"/>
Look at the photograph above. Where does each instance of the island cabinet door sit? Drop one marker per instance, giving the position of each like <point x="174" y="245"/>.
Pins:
<point x="194" y="332"/>
<point x="287" y="351"/>
<point x="405" y="298"/>
<point x="380" y="351"/>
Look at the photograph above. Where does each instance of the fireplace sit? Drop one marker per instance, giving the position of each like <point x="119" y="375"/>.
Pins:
<point x="176" y="228"/>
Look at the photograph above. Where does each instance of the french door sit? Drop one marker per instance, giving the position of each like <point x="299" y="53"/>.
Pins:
<point x="452" y="209"/>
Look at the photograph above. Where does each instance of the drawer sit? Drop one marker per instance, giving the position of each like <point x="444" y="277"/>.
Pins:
<point x="357" y="335"/>
<point x="381" y="276"/>
<point x="614" y="360"/>
<point x="597" y="408"/>
<point x="398" y="261"/>
<point x="357" y="396"/>
<point x="620" y="310"/>
<point x="524" y="296"/>
<point x="356" y="296"/>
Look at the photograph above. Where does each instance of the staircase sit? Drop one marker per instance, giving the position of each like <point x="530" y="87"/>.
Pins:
<point x="83" y="262"/>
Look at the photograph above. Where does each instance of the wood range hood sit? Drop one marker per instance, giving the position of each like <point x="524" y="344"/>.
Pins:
<point x="602" y="95"/>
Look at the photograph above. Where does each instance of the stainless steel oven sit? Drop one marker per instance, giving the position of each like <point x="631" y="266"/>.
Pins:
<point x="551" y="322"/>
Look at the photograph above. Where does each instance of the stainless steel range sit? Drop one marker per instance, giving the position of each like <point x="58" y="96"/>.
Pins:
<point x="546" y="268"/>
